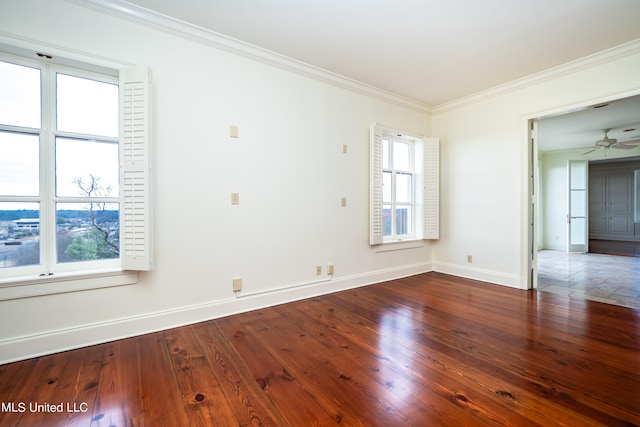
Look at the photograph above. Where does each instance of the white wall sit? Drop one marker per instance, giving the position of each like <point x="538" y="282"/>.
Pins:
<point x="484" y="162"/>
<point x="287" y="166"/>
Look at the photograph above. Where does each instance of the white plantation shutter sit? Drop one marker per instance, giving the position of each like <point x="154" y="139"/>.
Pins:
<point x="375" y="186"/>
<point x="431" y="189"/>
<point x="135" y="169"/>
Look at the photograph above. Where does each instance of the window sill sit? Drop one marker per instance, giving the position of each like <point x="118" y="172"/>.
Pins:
<point x="32" y="286"/>
<point x="399" y="245"/>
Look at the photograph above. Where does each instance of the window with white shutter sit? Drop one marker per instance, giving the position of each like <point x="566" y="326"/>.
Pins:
<point x="404" y="186"/>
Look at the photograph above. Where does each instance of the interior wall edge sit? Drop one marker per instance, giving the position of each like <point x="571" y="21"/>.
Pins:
<point x="622" y="51"/>
<point x="483" y="275"/>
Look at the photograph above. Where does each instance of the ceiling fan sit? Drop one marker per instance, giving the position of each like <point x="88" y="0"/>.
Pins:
<point x="607" y="142"/>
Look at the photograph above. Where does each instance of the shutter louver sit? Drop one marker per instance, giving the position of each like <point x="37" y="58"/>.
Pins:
<point x="431" y="186"/>
<point x="375" y="198"/>
<point x="135" y="169"/>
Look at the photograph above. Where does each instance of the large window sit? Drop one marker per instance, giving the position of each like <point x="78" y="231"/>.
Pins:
<point x="59" y="169"/>
<point x="404" y="189"/>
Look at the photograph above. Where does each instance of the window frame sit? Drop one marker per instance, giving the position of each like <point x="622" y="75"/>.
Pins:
<point x="426" y="187"/>
<point x="391" y="169"/>
<point x="47" y="199"/>
<point x="134" y="162"/>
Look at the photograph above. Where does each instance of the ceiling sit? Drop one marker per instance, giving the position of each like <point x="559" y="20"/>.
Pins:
<point x="434" y="51"/>
<point x="581" y="129"/>
<point x="431" y="51"/>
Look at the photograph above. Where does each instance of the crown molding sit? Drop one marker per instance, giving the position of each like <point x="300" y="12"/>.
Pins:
<point x="157" y="21"/>
<point x="617" y="52"/>
<point x="142" y="16"/>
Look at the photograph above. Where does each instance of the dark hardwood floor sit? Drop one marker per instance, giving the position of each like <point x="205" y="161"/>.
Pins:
<point x="614" y="247"/>
<point x="428" y="350"/>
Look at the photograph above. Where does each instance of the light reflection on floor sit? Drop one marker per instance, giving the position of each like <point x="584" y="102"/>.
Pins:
<point x="396" y="337"/>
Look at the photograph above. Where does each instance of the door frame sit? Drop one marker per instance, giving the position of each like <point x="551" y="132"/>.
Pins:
<point x="532" y="179"/>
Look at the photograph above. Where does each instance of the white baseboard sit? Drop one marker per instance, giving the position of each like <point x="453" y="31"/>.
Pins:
<point x="510" y="280"/>
<point x="25" y="347"/>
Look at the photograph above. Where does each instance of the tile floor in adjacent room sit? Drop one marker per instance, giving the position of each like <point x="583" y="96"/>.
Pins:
<point x="606" y="278"/>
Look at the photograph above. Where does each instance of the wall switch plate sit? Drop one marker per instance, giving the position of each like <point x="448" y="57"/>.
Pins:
<point x="318" y="270"/>
<point x="237" y="284"/>
<point x="235" y="198"/>
<point x="233" y="131"/>
<point x="344" y="148"/>
<point x="469" y="258"/>
<point x="343" y="202"/>
<point x="330" y="269"/>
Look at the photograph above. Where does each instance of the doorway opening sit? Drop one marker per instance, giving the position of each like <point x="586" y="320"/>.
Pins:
<point x="563" y="216"/>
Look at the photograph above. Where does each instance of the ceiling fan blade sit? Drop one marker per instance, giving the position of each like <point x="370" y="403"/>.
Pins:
<point x="623" y="146"/>
<point x="588" y="152"/>
<point x="631" y="141"/>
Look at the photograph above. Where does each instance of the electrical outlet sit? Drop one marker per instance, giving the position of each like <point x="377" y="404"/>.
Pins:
<point x="233" y="131"/>
<point x="235" y="198"/>
<point x="237" y="284"/>
<point x="344" y="148"/>
<point x="318" y="270"/>
<point x="330" y="269"/>
<point x="343" y="202"/>
<point x="469" y="258"/>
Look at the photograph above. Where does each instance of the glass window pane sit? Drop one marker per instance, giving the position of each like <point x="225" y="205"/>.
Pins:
<point x="385" y="154"/>
<point x="86" y="168"/>
<point x="578" y="174"/>
<point x="578" y="203"/>
<point x="19" y="164"/>
<point x="386" y="187"/>
<point x="19" y="95"/>
<point x="386" y="220"/>
<point x="401" y="156"/>
<point x="87" y="106"/>
<point x="87" y="231"/>
<point x="577" y="234"/>
<point x="403" y="188"/>
<point x="19" y="234"/>
<point x="403" y="220"/>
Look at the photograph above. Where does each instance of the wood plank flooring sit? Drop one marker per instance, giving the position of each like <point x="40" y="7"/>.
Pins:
<point x="614" y="247"/>
<point x="428" y="350"/>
